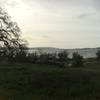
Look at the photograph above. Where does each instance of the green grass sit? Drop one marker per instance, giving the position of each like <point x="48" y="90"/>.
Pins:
<point x="45" y="82"/>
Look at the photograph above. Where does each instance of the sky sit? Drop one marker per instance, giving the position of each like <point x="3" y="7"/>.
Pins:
<point x="57" y="23"/>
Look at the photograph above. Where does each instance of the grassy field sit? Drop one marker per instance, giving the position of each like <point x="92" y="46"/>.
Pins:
<point x="45" y="82"/>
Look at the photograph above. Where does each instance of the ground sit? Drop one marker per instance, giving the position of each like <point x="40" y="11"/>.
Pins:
<point x="47" y="82"/>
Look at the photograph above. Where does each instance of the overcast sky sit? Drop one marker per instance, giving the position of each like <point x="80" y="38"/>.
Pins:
<point x="57" y="23"/>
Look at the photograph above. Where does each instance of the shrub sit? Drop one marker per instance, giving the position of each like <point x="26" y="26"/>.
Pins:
<point x="98" y="54"/>
<point x="62" y="58"/>
<point x="77" y="60"/>
<point x="32" y="57"/>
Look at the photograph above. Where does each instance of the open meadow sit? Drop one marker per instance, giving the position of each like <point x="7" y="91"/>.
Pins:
<point x="46" y="82"/>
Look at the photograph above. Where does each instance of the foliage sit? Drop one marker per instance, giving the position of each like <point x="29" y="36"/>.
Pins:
<point x="10" y="42"/>
<point x="63" y="58"/>
<point x="77" y="60"/>
<point x="9" y="31"/>
<point x="23" y="55"/>
<point x="98" y="54"/>
<point x="32" y="57"/>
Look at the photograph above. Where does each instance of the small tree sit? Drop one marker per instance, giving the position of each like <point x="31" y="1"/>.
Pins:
<point x="98" y="54"/>
<point x="32" y="57"/>
<point x="2" y="54"/>
<point x="52" y="58"/>
<point x="62" y="58"/>
<point x="22" y="54"/>
<point x="77" y="60"/>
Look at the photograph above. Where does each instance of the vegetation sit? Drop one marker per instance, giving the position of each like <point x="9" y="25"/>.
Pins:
<point x="77" y="60"/>
<point x="63" y="58"/>
<point x="98" y="54"/>
<point x="10" y="41"/>
<point x="46" y="82"/>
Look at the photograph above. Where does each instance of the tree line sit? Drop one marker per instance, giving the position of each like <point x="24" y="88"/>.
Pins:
<point x="60" y="59"/>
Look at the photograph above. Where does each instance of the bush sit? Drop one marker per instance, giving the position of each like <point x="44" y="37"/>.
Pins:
<point x="63" y="58"/>
<point x="77" y="60"/>
<point x="32" y="57"/>
<point x="98" y="54"/>
<point x="2" y="54"/>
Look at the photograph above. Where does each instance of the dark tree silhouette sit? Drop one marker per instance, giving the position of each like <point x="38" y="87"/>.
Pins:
<point x="10" y="42"/>
<point x="63" y="58"/>
<point x="77" y="59"/>
<point x="9" y="31"/>
<point x="98" y="54"/>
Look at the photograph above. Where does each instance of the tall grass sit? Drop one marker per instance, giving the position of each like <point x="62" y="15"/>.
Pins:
<point x="45" y="82"/>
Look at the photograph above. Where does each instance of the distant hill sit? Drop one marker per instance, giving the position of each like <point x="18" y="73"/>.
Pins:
<point x="85" y="52"/>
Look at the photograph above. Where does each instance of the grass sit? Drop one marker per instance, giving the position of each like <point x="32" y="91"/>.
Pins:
<point x="45" y="82"/>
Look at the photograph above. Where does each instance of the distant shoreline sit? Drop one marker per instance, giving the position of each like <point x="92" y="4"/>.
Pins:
<point x="85" y="52"/>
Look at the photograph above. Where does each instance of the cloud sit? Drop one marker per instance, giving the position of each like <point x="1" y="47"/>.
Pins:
<point x="11" y="3"/>
<point x="46" y="36"/>
<point x="85" y="15"/>
<point x="96" y="4"/>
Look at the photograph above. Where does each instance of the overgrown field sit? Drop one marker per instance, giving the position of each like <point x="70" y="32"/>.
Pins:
<point x="45" y="82"/>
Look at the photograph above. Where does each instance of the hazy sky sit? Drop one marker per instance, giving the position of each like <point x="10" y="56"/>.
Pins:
<point x="57" y="23"/>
